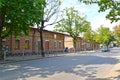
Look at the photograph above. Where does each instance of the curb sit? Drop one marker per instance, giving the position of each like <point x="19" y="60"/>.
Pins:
<point x="36" y="58"/>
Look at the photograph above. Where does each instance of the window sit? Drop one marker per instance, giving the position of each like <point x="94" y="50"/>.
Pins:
<point x="60" y="44"/>
<point x="55" y="36"/>
<point x="66" y="38"/>
<point x="17" y="44"/>
<point x="46" y="45"/>
<point x="80" y="45"/>
<point x="47" y="35"/>
<point x="27" y="44"/>
<point x="55" y="44"/>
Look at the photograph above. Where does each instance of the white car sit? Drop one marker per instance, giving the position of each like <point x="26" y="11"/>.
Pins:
<point x="105" y="49"/>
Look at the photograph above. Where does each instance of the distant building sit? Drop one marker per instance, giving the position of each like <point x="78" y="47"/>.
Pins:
<point x="81" y="44"/>
<point x="51" y="41"/>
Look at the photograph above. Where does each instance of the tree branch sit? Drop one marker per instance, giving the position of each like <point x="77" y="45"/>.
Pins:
<point x="53" y="23"/>
<point x="51" y="15"/>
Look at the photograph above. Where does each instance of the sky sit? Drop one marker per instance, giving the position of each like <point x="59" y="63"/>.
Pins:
<point x="91" y="12"/>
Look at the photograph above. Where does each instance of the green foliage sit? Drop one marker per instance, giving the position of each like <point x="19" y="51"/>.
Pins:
<point x="72" y="23"/>
<point x="89" y="35"/>
<point x="112" y="5"/>
<point x="116" y="32"/>
<point x="19" y="15"/>
<point x="112" y="38"/>
<point x="103" y="35"/>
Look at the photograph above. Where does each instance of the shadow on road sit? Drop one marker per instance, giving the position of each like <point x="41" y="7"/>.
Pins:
<point x="78" y="65"/>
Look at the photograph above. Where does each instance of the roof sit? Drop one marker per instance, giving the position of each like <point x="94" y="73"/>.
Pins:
<point x="50" y="31"/>
<point x="57" y="32"/>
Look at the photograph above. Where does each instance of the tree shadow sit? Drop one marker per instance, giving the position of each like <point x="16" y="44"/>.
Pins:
<point x="49" y="66"/>
<point x="117" y="77"/>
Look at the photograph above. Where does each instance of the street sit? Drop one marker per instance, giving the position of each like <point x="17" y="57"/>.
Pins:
<point x="89" y="66"/>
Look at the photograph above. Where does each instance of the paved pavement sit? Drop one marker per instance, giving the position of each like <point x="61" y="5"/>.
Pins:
<point x="12" y="59"/>
<point x="93" y="66"/>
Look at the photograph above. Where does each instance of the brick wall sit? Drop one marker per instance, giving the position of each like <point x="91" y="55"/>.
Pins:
<point x="51" y="41"/>
<point x="34" y="39"/>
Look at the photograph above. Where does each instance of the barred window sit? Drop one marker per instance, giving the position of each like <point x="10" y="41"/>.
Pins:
<point x="17" y="44"/>
<point x="55" y="44"/>
<point x="60" y="44"/>
<point x="27" y="44"/>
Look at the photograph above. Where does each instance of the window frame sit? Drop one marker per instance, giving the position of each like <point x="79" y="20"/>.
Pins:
<point x="17" y="44"/>
<point x="27" y="44"/>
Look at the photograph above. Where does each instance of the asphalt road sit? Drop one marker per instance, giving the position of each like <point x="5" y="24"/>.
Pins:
<point x="90" y="66"/>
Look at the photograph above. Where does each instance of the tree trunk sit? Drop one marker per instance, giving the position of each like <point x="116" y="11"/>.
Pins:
<point x="41" y="42"/>
<point x="11" y="42"/>
<point x="1" y="39"/>
<point x="2" y="20"/>
<point x="41" y="39"/>
<point x="1" y="54"/>
<point x="74" y="44"/>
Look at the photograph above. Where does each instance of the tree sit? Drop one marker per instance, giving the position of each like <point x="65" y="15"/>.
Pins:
<point x="89" y="36"/>
<point x="116" y="31"/>
<point x="73" y="24"/>
<point x="112" y="5"/>
<point x="112" y="38"/>
<point x="103" y="35"/>
<point x="17" y="16"/>
<point x="51" y="11"/>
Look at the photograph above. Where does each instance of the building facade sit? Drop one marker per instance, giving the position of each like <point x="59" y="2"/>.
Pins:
<point x="51" y="41"/>
<point x="81" y="44"/>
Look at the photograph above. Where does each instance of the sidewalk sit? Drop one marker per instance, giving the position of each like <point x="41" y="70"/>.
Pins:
<point x="13" y="59"/>
<point x="27" y="58"/>
<point x="114" y="73"/>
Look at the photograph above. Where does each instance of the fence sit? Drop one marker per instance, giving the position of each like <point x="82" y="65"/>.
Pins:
<point x="27" y="55"/>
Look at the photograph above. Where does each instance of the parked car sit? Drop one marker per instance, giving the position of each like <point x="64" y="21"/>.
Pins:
<point x="105" y="49"/>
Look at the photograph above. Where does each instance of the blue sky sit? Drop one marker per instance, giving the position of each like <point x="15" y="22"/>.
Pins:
<point x="91" y="12"/>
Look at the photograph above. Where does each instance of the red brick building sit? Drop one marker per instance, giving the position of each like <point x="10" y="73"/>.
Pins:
<point x="51" y="41"/>
<point x="80" y="44"/>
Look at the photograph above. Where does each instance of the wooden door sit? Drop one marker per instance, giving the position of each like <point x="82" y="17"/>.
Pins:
<point x="46" y="45"/>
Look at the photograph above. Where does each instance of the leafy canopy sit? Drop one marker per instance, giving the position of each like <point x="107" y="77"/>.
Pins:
<point x="116" y="32"/>
<point x="19" y="15"/>
<point x="72" y="23"/>
<point x="89" y="35"/>
<point x="112" y="5"/>
<point x="103" y="35"/>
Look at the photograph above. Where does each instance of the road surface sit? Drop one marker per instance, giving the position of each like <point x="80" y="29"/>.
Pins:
<point x="90" y="66"/>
